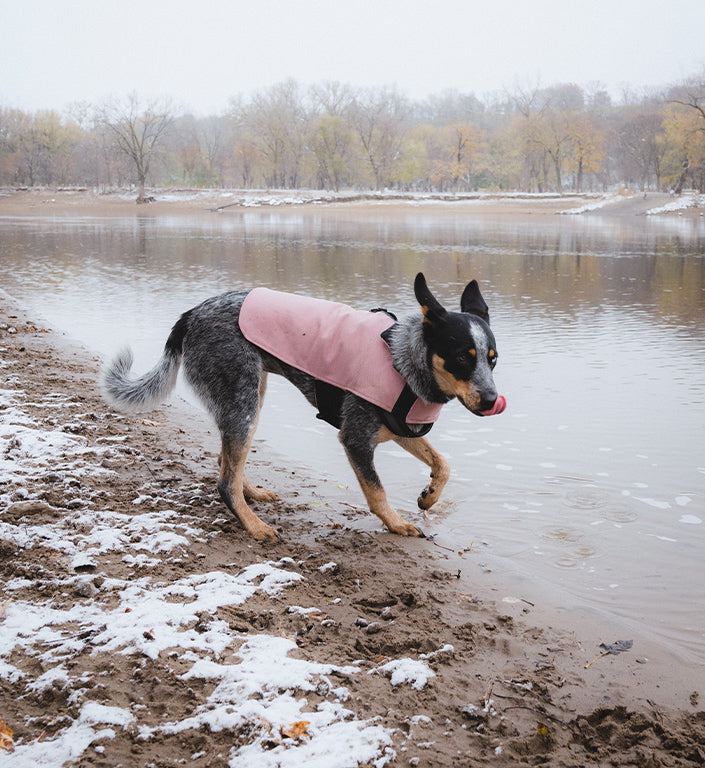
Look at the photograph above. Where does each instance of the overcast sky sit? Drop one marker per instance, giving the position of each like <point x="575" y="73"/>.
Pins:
<point x="202" y="52"/>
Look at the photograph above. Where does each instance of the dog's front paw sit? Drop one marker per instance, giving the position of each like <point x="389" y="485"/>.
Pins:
<point x="428" y="497"/>
<point x="408" y="529"/>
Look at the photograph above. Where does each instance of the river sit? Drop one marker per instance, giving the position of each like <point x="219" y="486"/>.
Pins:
<point x="592" y="483"/>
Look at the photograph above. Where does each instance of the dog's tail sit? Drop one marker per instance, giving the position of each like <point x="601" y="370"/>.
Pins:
<point x="147" y="391"/>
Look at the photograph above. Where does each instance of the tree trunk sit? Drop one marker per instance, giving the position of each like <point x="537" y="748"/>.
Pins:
<point x="579" y="180"/>
<point x="141" y="197"/>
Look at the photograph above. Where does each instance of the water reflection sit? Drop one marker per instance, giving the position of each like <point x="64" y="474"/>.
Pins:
<point x="594" y="479"/>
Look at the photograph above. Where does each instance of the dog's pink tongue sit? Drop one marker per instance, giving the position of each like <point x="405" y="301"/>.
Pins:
<point x="499" y="405"/>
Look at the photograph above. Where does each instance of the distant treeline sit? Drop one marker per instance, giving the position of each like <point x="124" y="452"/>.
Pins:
<point x="333" y="136"/>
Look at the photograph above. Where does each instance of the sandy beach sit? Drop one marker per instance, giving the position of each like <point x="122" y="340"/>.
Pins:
<point x="139" y="624"/>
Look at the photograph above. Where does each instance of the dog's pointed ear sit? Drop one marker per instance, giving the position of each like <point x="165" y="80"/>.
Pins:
<point x="471" y="301"/>
<point x="432" y="309"/>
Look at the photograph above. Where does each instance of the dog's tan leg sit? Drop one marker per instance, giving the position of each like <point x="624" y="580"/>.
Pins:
<point x="256" y="492"/>
<point x="233" y="485"/>
<point x="230" y="486"/>
<point x="360" y="455"/>
<point x="440" y="469"/>
<point x="376" y="498"/>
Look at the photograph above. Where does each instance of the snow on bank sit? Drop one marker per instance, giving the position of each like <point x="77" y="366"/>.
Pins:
<point x="680" y="203"/>
<point x="72" y="742"/>
<point x="258" y="689"/>
<point x="220" y="199"/>
<point x="256" y="684"/>
<point x="596" y="205"/>
<point x="261" y="686"/>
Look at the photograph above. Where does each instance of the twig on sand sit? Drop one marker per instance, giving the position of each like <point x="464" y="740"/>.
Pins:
<point x="597" y="658"/>
<point x="488" y="695"/>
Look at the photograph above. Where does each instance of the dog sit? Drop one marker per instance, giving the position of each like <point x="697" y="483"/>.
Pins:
<point x="408" y="370"/>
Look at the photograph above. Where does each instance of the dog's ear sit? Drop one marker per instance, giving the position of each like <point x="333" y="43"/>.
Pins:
<point x="432" y="309"/>
<point x="471" y="301"/>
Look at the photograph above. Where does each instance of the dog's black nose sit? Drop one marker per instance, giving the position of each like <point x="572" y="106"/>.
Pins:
<point x="487" y="403"/>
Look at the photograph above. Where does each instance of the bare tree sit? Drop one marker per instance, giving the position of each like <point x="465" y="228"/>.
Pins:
<point x="331" y="138"/>
<point x="641" y="145"/>
<point x="332" y="98"/>
<point x="691" y="94"/>
<point x="137" y="131"/>
<point x="380" y="120"/>
<point x="278" y="123"/>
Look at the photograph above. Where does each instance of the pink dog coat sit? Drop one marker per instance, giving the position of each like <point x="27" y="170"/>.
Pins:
<point x="333" y="343"/>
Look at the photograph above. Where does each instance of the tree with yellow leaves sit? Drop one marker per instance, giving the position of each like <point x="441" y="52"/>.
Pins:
<point x="588" y="148"/>
<point x="685" y="127"/>
<point x="463" y="145"/>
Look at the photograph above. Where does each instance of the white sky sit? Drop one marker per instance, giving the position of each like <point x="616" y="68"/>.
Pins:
<point x="200" y="53"/>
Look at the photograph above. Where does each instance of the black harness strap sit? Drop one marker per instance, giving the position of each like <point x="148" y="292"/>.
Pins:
<point x="329" y="401"/>
<point x="396" y="420"/>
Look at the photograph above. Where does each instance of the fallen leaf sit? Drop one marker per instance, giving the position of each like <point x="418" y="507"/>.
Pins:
<point x="296" y="730"/>
<point x="6" y="741"/>
<point x="611" y="649"/>
<point x="618" y="646"/>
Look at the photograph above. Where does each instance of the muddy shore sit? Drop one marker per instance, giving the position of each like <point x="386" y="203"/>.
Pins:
<point x="109" y="523"/>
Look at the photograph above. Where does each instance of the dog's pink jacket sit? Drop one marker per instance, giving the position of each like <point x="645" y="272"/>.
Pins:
<point x="331" y="342"/>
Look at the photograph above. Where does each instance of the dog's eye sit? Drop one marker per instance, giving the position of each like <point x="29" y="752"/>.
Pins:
<point x="466" y="356"/>
<point x="493" y="358"/>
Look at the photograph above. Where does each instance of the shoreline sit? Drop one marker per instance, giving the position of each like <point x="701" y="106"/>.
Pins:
<point x="132" y="499"/>
<point x="66" y="202"/>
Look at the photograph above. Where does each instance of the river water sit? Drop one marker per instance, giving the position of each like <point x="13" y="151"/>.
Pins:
<point x="592" y="483"/>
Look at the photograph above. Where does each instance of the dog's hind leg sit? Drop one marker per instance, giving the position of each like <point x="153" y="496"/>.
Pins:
<point x="232" y="484"/>
<point x="440" y="470"/>
<point x="251" y="491"/>
<point x="360" y="452"/>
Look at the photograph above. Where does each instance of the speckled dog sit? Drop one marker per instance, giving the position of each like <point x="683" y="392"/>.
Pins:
<point x="393" y="389"/>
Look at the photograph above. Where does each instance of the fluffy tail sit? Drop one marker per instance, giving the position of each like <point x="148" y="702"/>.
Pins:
<point x="147" y="391"/>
